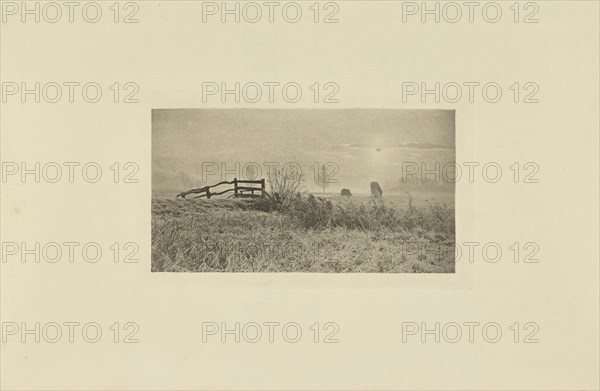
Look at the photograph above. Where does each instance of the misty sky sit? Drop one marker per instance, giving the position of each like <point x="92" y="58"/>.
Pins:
<point x="366" y="144"/>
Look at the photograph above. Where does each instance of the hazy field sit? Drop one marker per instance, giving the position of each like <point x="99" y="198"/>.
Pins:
<point x="324" y="234"/>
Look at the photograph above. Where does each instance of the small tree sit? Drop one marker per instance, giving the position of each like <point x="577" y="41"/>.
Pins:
<point x="321" y="177"/>
<point x="284" y="184"/>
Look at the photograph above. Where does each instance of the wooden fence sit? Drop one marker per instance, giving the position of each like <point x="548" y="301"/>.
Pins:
<point x="241" y="189"/>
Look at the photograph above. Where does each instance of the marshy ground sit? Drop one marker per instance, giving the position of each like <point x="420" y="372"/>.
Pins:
<point x="327" y="234"/>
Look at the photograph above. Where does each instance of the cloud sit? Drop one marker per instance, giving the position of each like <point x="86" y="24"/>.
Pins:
<point x="420" y="146"/>
<point x="424" y="146"/>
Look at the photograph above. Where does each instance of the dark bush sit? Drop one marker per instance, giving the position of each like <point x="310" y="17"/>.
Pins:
<point x="312" y="212"/>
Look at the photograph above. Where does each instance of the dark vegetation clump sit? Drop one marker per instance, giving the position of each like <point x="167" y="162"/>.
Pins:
<point x="317" y="213"/>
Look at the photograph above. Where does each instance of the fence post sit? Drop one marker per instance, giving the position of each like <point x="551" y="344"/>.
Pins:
<point x="235" y="188"/>
<point x="262" y="187"/>
<point x="208" y="193"/>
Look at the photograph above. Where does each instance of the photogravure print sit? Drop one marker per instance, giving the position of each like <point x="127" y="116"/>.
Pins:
<point x="289" y="194"/>
<point x="244" y="190"/>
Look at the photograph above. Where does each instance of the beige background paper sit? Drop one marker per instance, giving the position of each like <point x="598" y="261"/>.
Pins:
<point x="369" y="54"/>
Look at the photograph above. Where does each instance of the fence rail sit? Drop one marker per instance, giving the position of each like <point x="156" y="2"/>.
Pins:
<point x="238" y="191"/>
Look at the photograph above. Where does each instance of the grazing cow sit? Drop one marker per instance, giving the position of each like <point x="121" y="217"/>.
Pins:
<point x="346" y="192"/>
<point x="376" y="191"/>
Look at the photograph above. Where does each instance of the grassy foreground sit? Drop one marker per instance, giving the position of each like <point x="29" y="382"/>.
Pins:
<point x="304" y="234"/>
